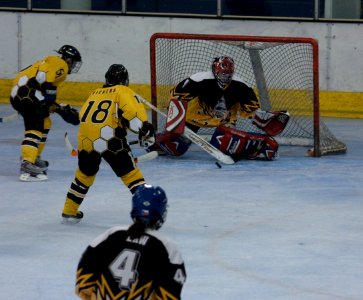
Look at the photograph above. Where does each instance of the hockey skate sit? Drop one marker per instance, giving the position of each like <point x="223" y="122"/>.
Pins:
<point x="72" y="219"/>
<point x="44" y="164"/>
<point x="31" y="172"/>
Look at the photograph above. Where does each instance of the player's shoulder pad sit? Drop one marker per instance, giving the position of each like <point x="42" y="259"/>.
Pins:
<point x="55" y="68"/>
<point x="175" y="256"/>
<point x="102" y="237"/>
<point x="202" y="76"/>
<point x="56" y="61"/>
<point x="123" y="89"/>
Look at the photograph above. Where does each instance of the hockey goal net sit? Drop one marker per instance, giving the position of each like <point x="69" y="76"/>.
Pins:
<point x="283" y="71"/>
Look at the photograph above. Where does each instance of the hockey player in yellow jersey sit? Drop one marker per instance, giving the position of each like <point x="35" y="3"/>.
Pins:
<point x="34" y="96"/>
<point x="105" y="119"/>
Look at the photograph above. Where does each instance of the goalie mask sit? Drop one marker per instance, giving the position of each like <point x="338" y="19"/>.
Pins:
<point x="117" y="74"/>
<point x="72" y="57"/>
<point x="149" y="205"/>
<point x="223" y="69"/>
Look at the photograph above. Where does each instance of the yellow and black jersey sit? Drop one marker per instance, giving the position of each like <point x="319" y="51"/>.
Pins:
<point x="39" y="81"/>
<point x="108" y="113"/>
<point x="202" y="92"/>
<point x="116" y="267"/>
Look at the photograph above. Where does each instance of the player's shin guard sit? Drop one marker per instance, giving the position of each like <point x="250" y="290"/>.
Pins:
<point x="45" y="132"/>
<point x="133" y="179"/>
<point x="30" y="144"/>
<point x="75" y="196"/>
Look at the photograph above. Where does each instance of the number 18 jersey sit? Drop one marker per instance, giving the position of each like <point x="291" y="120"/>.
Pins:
<point x="109" y="112"/>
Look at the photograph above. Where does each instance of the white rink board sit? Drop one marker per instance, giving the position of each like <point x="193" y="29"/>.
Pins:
<point x="108" y="39"/>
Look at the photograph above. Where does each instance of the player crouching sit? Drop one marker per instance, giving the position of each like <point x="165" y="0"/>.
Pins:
<point x="236" y="143"/>
<point x="215" y="98"/>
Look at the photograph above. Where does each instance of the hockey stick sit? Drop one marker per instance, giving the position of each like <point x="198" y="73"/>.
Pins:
<point x="195" y="138"/>
<point x="8" y="118"/>
<point x="72" y="150"/>
<point x="145" y="157"/>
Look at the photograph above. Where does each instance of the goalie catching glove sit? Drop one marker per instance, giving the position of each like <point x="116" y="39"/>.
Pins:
<point x="273" y="123"/>
<point x="146" y="135"/>
<point x="68" y="114"/>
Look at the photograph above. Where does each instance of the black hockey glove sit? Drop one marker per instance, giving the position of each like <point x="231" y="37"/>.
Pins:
<point x="146" y="135"/>
<point x="68" y="114"/>
<point x="43" y="109"/>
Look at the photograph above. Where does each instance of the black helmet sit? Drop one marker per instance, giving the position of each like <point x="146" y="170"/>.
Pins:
<point x="72" y="56"/>
<point x="117" y="74"/>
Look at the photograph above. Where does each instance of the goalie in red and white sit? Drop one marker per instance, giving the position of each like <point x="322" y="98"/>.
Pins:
<point x="215" y="99"/>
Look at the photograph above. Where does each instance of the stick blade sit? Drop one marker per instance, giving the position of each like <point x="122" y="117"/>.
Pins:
<point x="148" y="156"/>
<point x="71" y="149"/>
<point x="9" y="118"/>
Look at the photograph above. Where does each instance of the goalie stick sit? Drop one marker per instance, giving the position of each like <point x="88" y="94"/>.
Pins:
<point x="145" y="157"/>
<point x="195" y="138"/>
<point x="8" y="118"/>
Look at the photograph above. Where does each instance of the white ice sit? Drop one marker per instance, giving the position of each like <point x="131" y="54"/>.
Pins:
<point x="287" y="229"/>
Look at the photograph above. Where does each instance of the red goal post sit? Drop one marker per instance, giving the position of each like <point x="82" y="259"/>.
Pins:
<point x="283" y="71"/>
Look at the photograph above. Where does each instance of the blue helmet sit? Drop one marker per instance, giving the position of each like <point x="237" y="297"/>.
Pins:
<point x="149" y="205"/>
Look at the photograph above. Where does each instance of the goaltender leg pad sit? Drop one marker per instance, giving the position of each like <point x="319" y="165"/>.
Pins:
<point x="175" y="120"/>
<point x="273" y="123"/>
<point x="269" y="149"/>
<point x="173" y="143"/>
<point x="242" y="145"/>
<point x="229" y="140"/>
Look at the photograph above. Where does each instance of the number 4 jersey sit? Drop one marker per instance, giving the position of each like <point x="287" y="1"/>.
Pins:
<point x="116" y="267"/>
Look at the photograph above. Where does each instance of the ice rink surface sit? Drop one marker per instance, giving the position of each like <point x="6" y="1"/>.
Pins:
<point x="281" y="230"/>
